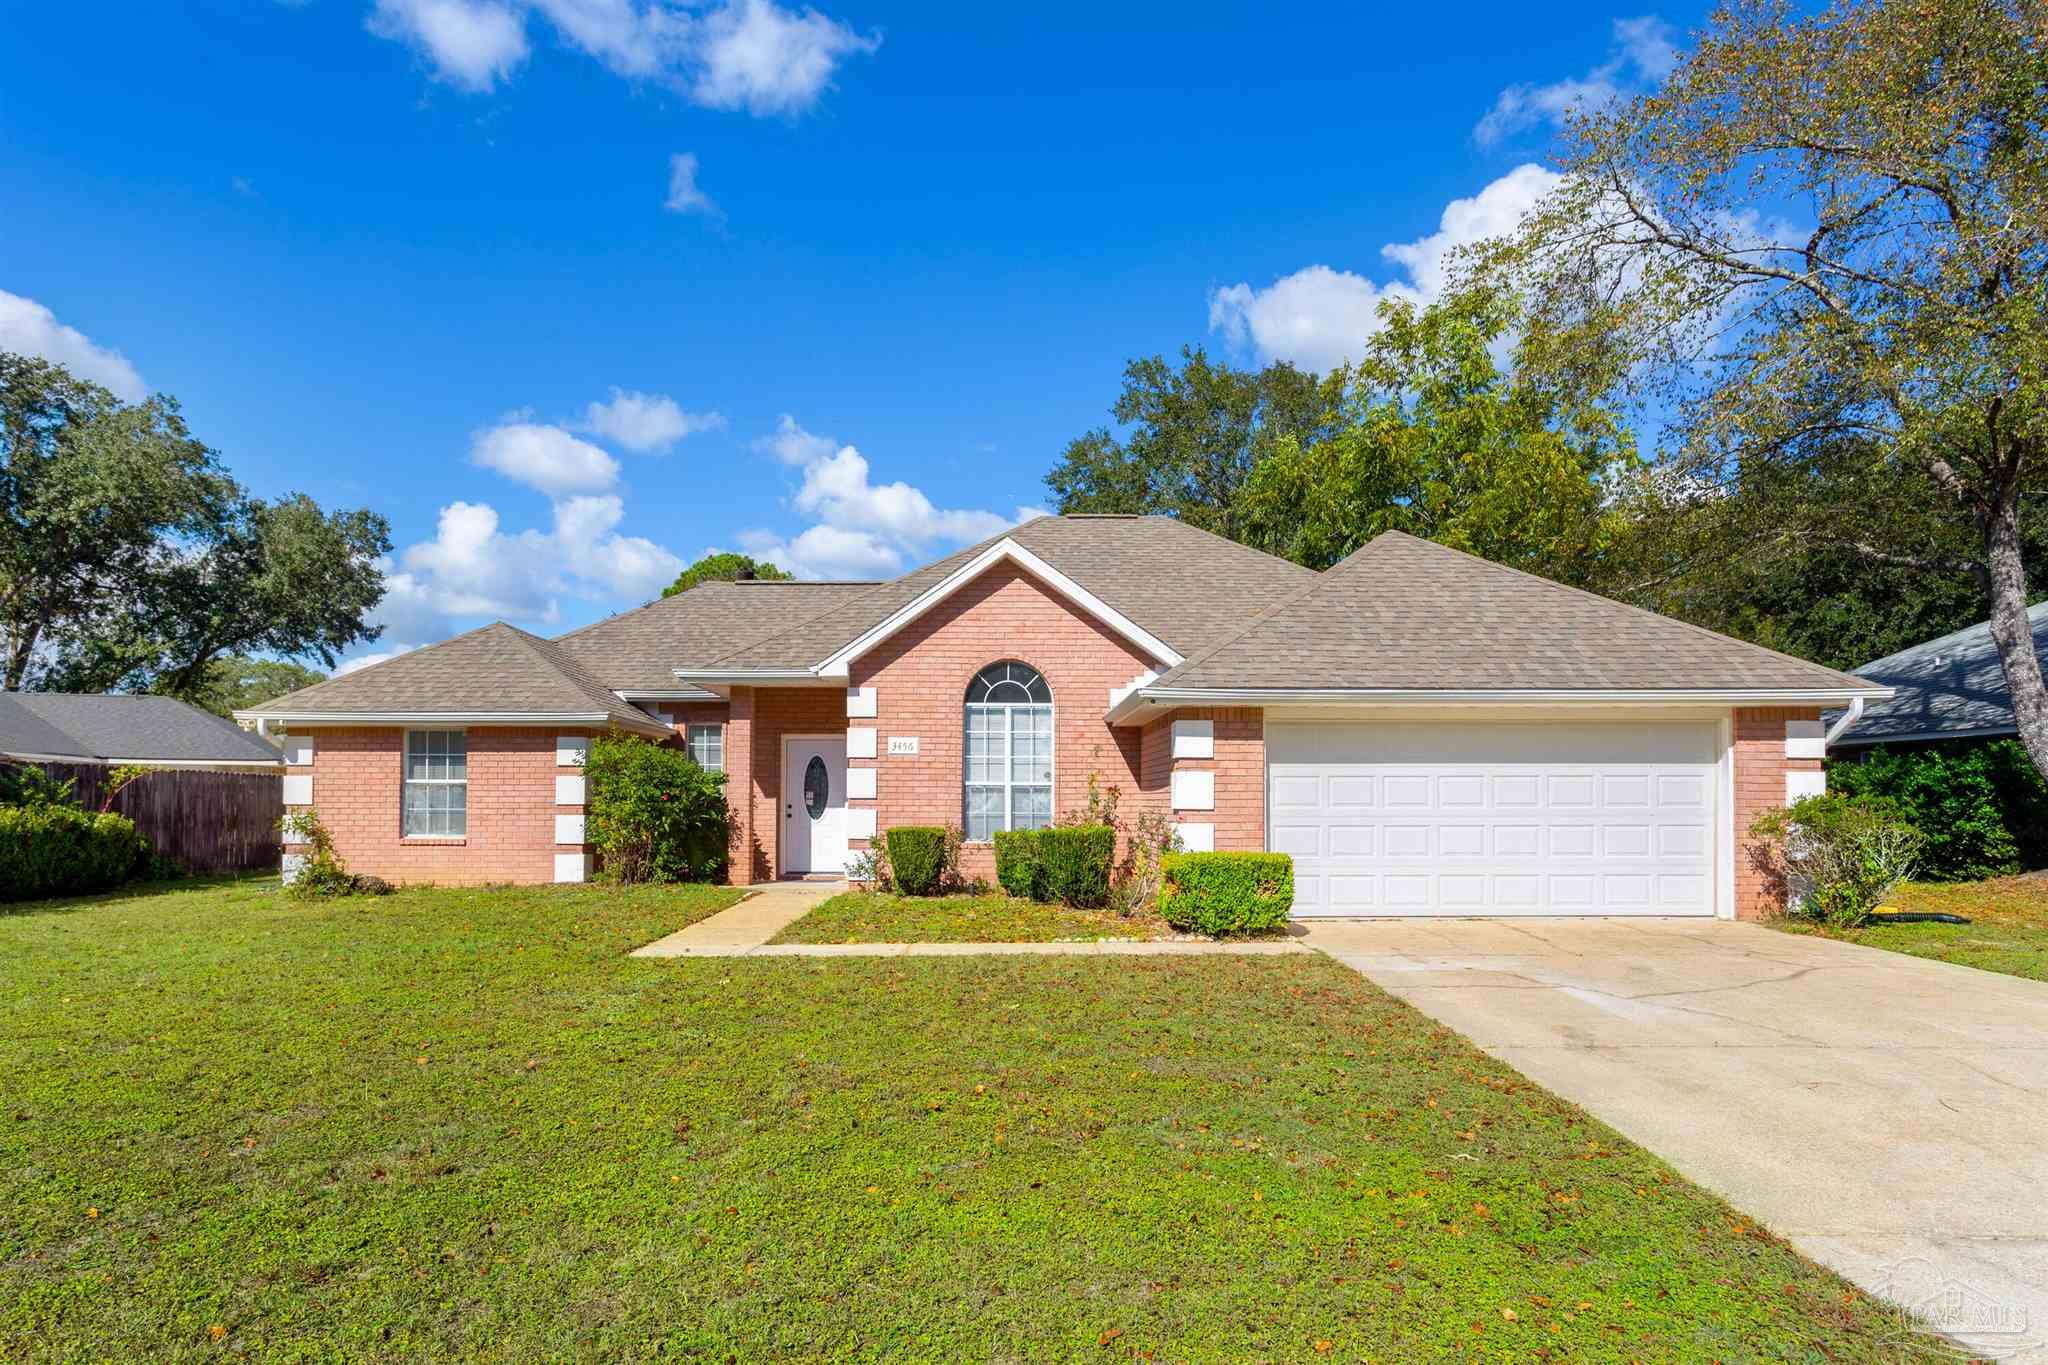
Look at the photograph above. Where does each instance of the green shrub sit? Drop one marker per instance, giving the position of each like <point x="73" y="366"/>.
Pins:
<point x="56" y="850"/>
<point x="24" y="784"/>
<point x="1227" y="893"/>
<point x="917" y="858"/>
<point x="1834" y="858"/>
<point x="1981" y="804"/>
<point x="1076" y="862"/>
<point x="652" y="813"/>
<point x="323" y="875"/>
<point x="1019" y="869"/>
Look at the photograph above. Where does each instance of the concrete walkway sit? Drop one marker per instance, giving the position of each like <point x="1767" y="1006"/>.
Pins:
<point x="1886" y="1114"/>
<point x="766" y="912"/>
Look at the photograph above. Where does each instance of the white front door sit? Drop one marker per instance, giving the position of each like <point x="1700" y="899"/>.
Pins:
<point x="814" y="804"/>
<point x="1485" y="819"/>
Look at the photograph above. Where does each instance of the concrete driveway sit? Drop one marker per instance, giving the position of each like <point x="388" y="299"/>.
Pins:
<point x="1887" y="1115"/>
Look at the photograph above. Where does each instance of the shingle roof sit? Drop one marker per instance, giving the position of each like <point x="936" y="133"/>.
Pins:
<point x="1953" y="685"/>
<point x="1402" y="613"/>
<point x="639" y="650"/>
<point x="1181" y="584"/>
<point x="497" y="669"/>
<point x="95" y="727"/>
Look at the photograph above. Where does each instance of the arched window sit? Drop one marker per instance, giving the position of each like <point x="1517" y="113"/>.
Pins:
<point x="1009" y="750"/>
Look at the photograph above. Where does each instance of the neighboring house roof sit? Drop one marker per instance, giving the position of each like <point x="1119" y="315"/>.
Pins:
<point x="498" y="673"/>
<point x="94" y="728"/>
<point x="1408" y="615"/>
<point x="1953" y="687"/>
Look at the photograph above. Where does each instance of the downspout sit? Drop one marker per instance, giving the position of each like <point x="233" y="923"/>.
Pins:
<point x="1849" y="718"/>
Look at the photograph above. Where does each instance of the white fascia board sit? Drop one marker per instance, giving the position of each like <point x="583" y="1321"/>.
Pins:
<point x="449" y="720"/>
<point x="755" y="677"/>
<point x="1005" y="549"/>
<point x="1133" y="705"/>
<point x="252" y="764"/>
<point x="665" y="694"/>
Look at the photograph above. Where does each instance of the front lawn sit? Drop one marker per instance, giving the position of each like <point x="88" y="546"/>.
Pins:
<point x="464" y="1124"/>
<point x="2008" y="931"/>
<point x="884" y="917"/>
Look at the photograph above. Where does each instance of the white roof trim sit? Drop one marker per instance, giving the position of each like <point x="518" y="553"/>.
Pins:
<point x="1397" y="696"/>
<point x="438" y="718"/>
<point x="640" y="694"/>
<point x="1005" y="549"/>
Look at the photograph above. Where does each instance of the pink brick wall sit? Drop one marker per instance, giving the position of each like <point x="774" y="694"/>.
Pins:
<point x="1760" y="768"/>
<point x="1239" y="765"/>
<point x="357" y="776"/>
<point x="920" y="678"/>
<point x="759" y="720"/>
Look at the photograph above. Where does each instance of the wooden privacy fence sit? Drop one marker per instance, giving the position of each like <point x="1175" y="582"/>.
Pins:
<point x="208" y="821"/>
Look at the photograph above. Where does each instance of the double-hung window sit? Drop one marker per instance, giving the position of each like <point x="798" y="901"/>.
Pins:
<point x="1008" y="750"/>
<point x="706" y="744"/>
<point x="436" y="784"/>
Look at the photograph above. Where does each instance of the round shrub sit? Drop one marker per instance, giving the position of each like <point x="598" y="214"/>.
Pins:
<point x="1076" y="860"/>
<point x="653" y="814"/>
<point x="1834" y="858"/>
<point x="1227" y="893"/>
<point x="52" y="850"/>
<point x="917" y="858"/>
<point x="1018" y="866"/>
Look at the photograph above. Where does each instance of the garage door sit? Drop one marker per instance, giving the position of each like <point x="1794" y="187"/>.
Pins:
<point x="1454" y="819"/>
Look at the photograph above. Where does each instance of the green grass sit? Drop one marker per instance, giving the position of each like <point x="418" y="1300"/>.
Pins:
<point x="884" y="917"/>
<point x="453" y="1124"/>
<point x="2008" y="933"/>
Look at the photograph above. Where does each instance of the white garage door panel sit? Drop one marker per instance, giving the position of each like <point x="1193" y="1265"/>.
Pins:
<point x="1495" y="819"/>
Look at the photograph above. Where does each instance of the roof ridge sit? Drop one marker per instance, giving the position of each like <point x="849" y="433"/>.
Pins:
<point x="1222" y="539"/>
<point x="2033" y="609"/>
<point x="669" y="600"/>
<point x="1321" y="577"/>
<point x="333" y="678"/>
<point x="1570" y="591"/>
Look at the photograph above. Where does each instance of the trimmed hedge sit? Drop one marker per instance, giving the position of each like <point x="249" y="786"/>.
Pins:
<point x="653" y="814"/>
<point x="1076" y="862"/>
<point x="917" y="858"/>
<point x="1227" y="893"/>
<point x="1020" y="868"/>
<point x="65" y="851"/>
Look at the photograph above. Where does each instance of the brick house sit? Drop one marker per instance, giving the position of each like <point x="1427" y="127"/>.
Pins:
<point x="1423" y="731"/>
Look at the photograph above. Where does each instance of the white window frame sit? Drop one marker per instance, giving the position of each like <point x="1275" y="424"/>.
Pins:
<point x="1009" y="784"/>
<point x="692" y="731"/>
<point x="407" y="782"/>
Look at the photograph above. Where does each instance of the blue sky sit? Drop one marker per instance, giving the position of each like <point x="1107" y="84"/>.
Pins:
<point x="573" y="290"/>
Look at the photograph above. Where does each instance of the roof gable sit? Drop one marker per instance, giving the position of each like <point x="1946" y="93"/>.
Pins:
<point x="1953" y="685"/>
<point x="1408" y="615"/>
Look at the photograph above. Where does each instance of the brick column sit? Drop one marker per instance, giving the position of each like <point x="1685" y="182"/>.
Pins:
<point x="1777" y="760"/>
<point x="1214" y="768"/>
<point x="739" y="786"/>
<point x="298" y="796"/>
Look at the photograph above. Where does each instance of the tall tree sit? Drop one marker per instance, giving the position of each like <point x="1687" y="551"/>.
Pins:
<point x="1196" y="434"/>
<point x="724" y="567"/>
<point x="130" y="559"/>
<point x="1833" y="227"/>
<point x="1437" y="439"/>
<point x="238" y="682"/>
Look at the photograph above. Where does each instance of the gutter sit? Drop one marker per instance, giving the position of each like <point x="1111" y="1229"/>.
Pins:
<point x="601" y="719"/>
<point x="1396" y="696"/>
<point x="1849" y="718"/>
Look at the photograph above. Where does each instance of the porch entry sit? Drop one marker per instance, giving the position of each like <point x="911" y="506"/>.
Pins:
<point x="813" y="804"/>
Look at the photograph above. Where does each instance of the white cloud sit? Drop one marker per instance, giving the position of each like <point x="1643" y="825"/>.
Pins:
<point x="739" y="54"/>
<point x="791" y="444"/>
<point x="544" y="457"/>
<point x="683" y="194"/>
<point x="472" y="44"/>
<point x="1640" y="56"/>
<point x="363" y="661"/>
<point x="765" y="59"/>
<point x="28" y="328"/>
<point x="647" y="421"/>
<point x="1319" y="316"/>
<point x="864" y="529"/>
<point x="474" y="570"/>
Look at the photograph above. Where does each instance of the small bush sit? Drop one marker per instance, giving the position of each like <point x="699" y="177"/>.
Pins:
<point x="917" y="858"/>
<point x="653" y="814"/>
<point x="1077" y="860"/>
<point x="1835" y="858"/>
<point x="1019" y="869"/>
<point x="1981" y="803"/>
<point x="1227" y="893"/>
<point x="323" y="875"/>
<point x="58" y="850"/>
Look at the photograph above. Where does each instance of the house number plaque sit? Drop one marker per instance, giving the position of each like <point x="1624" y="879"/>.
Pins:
<point x="902" y="744"/>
